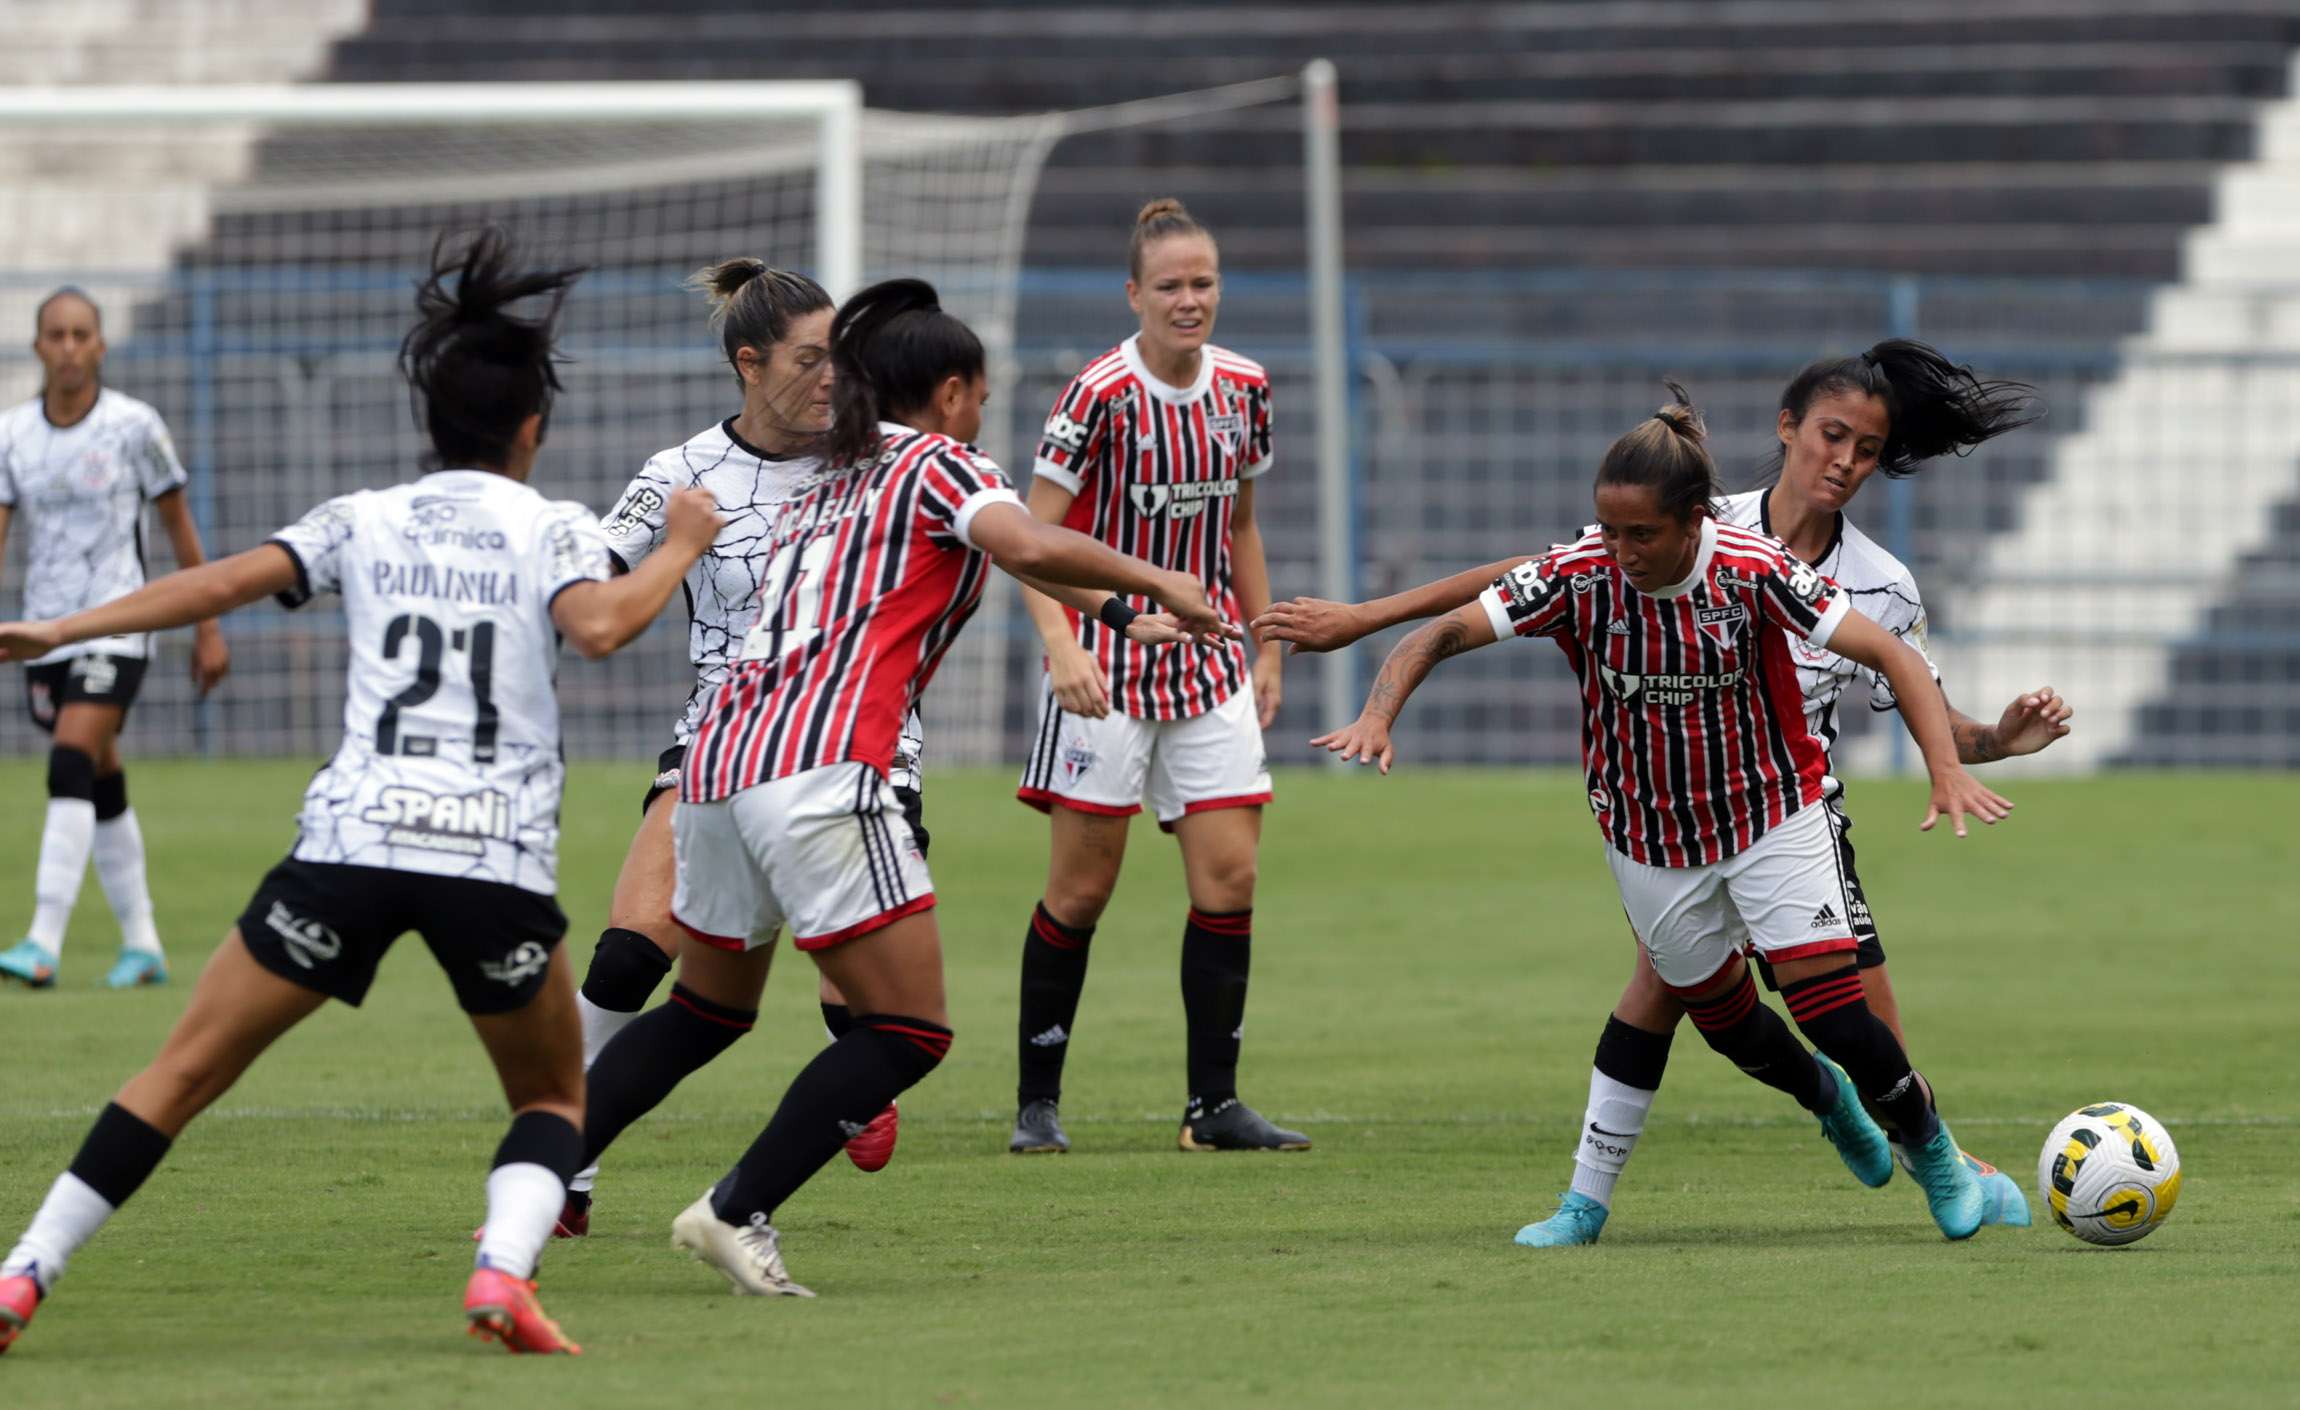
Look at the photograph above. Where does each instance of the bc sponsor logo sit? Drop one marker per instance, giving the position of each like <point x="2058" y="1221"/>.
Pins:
<point x="1525" y="590"/>
<point x="1806" y="585"/>
<point x="1063" y="433"/>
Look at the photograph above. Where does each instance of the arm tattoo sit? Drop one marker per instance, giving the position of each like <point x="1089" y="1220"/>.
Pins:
<point x="1410" y="661"/>
<point x="1977" y="743"/>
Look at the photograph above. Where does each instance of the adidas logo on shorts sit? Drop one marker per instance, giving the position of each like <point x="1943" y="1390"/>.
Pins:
<point x="1825" y="917"/>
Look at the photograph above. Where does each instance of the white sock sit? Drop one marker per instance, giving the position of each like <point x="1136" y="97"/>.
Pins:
<point x="68" y="1218"/>
<point x="599" y="1027"/>
<point x="64" y="844"/>
<point x="523" y="1202"/>
<point x="1609" y="1132"/>
<point x="120" y="866"/>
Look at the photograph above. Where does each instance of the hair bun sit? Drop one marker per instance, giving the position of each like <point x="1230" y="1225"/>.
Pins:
<point x="1163" y="206"/>
<point x="1680" y="416"/>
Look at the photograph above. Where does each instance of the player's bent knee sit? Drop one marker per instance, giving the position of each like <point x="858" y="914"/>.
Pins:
<point x="913" y="1046"/>
<point x="71" y="774"/>
<point x="626" y="968"/>
<point x="1079" y="902"/>
<point x="111" y="796"/>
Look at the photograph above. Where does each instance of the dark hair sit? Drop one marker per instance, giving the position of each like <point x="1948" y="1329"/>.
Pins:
<point x="1667" y="453"/>
<point x="753" y="305"/>
<point x="475" y="371"/>
<point x="66" y="291"/>
<point x="891" y="346"/>
<point x="1937" y="407"/>
<point x="1157" y="221"/>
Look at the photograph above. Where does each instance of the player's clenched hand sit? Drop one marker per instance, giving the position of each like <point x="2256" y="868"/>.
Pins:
<point x="1310" y="624"/>
<point x="2033" y="721"/>
<point x="1365" y="740"/>
<point x="691" y="522"/>
<point x="1957" y="793"/>
<point x="27" y="641"/>
<point x="1079" y="686"/>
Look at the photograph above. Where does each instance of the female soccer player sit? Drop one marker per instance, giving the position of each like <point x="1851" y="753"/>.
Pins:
<point x="79" y="462"/>
<point x="439" y="811"/>
<point x="785" y="815"/>
<point x="1708" y="784"/>
<point x="1155" y="449"/>
<point x="774" y="327"/>
<point x="1893" y="408"/>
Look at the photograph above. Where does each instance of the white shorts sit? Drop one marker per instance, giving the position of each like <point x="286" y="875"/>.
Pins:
<point x="826" y="852"/>
<point x="1112" y="766"/>
<point x="1785" y="898"/>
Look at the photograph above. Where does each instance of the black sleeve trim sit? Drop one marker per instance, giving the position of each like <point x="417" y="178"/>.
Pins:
<point x="301" y="593"/>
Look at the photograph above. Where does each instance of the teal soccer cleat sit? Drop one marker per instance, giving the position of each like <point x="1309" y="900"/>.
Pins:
<point x="28" y="964"/>
<point x="1579" y="1220"/>
<point x="136" y="967"/>
<point x="1860" y="1142"/>
<point x="1952" y="1191"/>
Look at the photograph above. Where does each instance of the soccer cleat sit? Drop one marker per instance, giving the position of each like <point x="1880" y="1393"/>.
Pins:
<point x="502" y="1308"/>
<point x="574" y="1220"/>
<point x="1579" y="1220"/>
<point x="136" y="967"/>
<point x="1234" y="1126"/>
<point x="29" y="964"/>
<point x="750" y="1255"/>
<point x="19" y="1295"/>
<point x="873" y="1146"/>
<point x="2007" y="1205"/>
<point x="1860" y="1142"/>
<point x="1038" y="1130"/>
<point x="1953" y="1193"/>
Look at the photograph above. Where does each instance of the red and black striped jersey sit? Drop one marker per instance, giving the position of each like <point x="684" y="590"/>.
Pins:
<point x="1694" y="740"/>
<point x="1155" y="469"/>
<point x="871" y="572"/>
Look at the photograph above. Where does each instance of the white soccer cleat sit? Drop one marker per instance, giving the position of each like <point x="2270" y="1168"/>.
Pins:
<point x="750" y="1255"/>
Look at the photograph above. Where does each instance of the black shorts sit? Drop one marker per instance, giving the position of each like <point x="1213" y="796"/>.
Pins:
<point x="94" y="679"/>
<point x="1869" y="952"/>
<point x="327" y="926"/>
<point x="672" y="760"/>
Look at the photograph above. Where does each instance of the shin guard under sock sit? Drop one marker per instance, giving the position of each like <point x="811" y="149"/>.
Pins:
<point x="1053" y="976"/>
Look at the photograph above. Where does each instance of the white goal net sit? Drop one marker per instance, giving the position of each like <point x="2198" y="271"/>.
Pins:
<point x="254" y="253"/>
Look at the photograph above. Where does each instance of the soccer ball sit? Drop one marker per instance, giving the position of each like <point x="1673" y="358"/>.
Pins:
<point x="2109" y="1173"/>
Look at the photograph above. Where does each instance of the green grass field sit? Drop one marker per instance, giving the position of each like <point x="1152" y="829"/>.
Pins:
<point x="1436" y="954"/>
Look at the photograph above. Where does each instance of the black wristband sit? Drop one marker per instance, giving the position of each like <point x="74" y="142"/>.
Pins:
<point x="1115" y="614"/>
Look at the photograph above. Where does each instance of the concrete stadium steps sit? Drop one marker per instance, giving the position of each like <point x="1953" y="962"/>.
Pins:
<point x="2234" y="696"/>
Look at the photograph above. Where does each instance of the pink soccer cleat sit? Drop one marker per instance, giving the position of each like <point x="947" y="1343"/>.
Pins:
<point x="502" y="1308"/>
<point x="18" y="1297"/>
<point x="873" y="1146"/>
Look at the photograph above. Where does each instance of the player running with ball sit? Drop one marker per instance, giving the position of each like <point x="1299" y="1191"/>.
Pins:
<point x="1708" y="784"/>
<point x="439" y="811"/>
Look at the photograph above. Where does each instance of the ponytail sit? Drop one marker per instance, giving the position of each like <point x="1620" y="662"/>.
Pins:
<point x="1667" y="453"/>
<point x="475" y="371"/>
<point x="891" y="346"/>
<point x="754" y="305"/>
<point x="1936" y="407"/>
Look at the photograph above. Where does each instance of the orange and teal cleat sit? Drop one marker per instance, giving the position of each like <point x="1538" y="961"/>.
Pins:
<point x="19" y="1295"/>
<point x="502" y="1308"/>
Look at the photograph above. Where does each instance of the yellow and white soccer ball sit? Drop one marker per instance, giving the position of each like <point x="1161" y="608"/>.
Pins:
<point x="2109" y="1173"/>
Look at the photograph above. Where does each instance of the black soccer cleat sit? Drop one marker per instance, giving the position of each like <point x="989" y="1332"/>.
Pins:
<point x="1038" y="1130"/>
<point x="1234" y="1126"/>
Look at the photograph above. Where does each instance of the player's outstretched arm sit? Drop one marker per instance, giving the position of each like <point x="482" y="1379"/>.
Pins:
<point x="2032" y="721"/>
<point x="1926" y="712"/>
<point x="1029" y="549"/>
<point x="1317" y="624"/>
<point x="1073" y="674"/>
<point x="601" y="617"/>
<point x="1367" y="739"/>
<point x="211" y="658"/>
<point x="1149" y="628"/>
<point x="181" y="598"/>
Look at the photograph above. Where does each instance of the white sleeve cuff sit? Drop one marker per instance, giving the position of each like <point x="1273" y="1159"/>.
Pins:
<point x="1258" y="469"/>
<point x="1839" y="608"/>
<point x="1053" y="474"/>
<point x="962" y="523"/>
<point x="1503" y="627"/>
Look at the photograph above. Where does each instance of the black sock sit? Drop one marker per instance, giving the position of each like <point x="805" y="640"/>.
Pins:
<point x="649" y="1057"/>
<point x="625" y="968"/>
<point x="831" y="1099"/>
<point x="1753" y="1038"/>
<point x="1834" y="1013"/>
<point x="1217" y="952"/>
<point x="837" y="1018"/>
<point x="1631" y="1056"/>
<point x="542" y="1138"/>
<point x="1053" y="975"/>
<point x="121" y="1150"/>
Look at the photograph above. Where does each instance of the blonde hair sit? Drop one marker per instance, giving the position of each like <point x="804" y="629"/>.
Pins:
<point x="1161" y="219"/>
